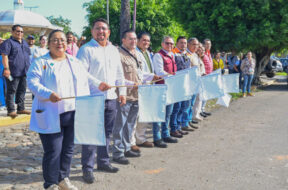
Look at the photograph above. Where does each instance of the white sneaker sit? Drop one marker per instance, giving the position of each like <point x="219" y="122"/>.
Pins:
<point x="53" y="187"/>
<point x="65" y="184"/>
<point x="198" y="119"/>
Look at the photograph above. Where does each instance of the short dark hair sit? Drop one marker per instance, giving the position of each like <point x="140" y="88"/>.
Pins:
<point x="180" y="38"/>
<point x="41" y="37"/>
<point x="124" y="34"/>
<point x="52" y="33"/>
<point x="101" y="20"/>
<point x="69" y="33"/>
<point x="141" y="34"/>
<point x="16" y="26"/>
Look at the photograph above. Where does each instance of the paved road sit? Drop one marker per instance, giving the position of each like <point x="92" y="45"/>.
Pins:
<point x="243" y="147"/>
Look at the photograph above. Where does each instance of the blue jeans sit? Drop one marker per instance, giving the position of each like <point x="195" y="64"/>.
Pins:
<point x="89" y="151"/>
<point x="164" y="125"/>
<point x="2" y="91"/>
<point x="183" y="114"/>
<point x="247" y="83"/>
<point x="190" y="111"/>
<point x="58" y="151"/>
<point x="123" y="128"/>
<point x="174" y="125"/>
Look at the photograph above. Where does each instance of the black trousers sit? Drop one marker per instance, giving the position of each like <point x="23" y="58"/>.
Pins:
<point x="58" y="151"/>
<point x="16" y="87"/>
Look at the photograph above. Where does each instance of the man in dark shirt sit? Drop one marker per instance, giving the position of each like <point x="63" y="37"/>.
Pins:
<point x="15" y="57"/>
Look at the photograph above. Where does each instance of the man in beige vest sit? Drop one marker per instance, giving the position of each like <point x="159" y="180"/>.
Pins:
<point x="127" y="114"/>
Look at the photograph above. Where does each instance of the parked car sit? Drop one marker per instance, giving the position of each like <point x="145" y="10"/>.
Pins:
<point x="272" y="67"/>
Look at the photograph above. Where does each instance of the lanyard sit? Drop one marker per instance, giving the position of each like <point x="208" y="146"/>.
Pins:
<point x="131" y="56"/>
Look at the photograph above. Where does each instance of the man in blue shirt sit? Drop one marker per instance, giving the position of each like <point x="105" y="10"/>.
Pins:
<point x="15" y="57"/>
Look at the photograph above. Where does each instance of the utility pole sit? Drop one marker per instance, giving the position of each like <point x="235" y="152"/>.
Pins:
<point x="134" y="16"/>
<point x="107" y="10"/>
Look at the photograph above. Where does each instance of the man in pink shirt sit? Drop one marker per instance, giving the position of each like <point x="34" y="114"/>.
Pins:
<point x="207" y="59"/>
<point x="208" y="63"/>
<point x="72" y="47"/>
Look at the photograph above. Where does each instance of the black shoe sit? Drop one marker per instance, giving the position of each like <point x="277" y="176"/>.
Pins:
<point x="160" y="144"/>
<point x="170" y="140"/>
<point x="203" y="114"/>
<point x="183" y="132"/>
<point x="107" y="168"/>
<point x="207" y="113"/>
<point x="194" y="127"/>
<point x="176" y="134"/>
<point x="187" y="129"/>
<point x="121" y="160"/>
<point x="131" y="154"/>
<point x="88" y="177"/>
<point x="194" y="122"/>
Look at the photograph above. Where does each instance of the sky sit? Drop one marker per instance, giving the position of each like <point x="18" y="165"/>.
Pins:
<point x="69" y="9"/>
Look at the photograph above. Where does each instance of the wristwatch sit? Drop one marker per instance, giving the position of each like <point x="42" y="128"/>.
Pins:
<point x="6" y="68"/>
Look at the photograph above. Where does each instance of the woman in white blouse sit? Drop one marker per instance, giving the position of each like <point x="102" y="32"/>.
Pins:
<point x="50" y="78"/>
<point x="42" y="49"/>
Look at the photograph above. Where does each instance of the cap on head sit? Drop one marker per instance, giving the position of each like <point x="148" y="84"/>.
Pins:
<point x="30" y="37"/>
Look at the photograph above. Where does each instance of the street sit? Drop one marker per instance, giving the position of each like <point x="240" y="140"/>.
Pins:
<point x="243" y="147"/>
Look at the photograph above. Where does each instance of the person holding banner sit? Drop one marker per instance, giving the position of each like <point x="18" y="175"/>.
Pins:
<point x="164" y="64"/>
<point x="139" y="136"/>
<point x="192" y="47"/>
<point x="102" y="60"/>
<point x="247" y="67"/>
<point x="208" y="62"/>
<point x="50" y="78"/>
<point x="179" y="117"/>
<point x="198" y="102"/>
<point x="127" y="114"/>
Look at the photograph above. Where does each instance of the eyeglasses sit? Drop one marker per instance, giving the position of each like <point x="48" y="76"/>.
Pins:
<point x="58" y="41"/>
<point x="169" y="43"/>
<point x="100" y="28"/>
<point x="19" y="31"/>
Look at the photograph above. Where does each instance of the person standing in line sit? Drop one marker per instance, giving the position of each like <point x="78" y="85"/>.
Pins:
<point x="138" y="136"/>
<point x="72" y="48"/>
<point x="164" y="64"/>
<point x="52" y="77"/>
<point x="192" y="47"/>
<point x="198" y="102"/>
<point x="16" y="61"/>
<point x="127" y="114"/>
<point x="179" y="117"/>
<point x="208" y="62"/>
<point x="248" y="68"/>
<point x="102" y="60"/>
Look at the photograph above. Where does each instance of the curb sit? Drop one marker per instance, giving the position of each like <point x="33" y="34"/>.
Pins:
<point x="21" y="119"/>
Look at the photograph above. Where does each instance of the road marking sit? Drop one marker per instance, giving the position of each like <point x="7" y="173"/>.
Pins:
<point x="157" y="171"/>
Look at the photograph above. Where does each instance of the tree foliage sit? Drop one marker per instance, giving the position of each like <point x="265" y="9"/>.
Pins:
<point x="60" y="21"/>
<point x="153" y="16"/>
<point x="257" y="25"/>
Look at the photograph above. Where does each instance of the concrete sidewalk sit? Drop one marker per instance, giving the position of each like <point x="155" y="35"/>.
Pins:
<point x="7" y="121"/>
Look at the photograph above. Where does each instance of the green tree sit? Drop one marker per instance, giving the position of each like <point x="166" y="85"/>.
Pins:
<point x="153" y="16"/>
<point x="60" y="21"/>
<point x="256" y="25"/>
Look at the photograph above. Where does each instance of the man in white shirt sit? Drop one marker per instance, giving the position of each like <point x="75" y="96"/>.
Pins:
<point x="138" y="135"/>
<point x="102" y="60"/>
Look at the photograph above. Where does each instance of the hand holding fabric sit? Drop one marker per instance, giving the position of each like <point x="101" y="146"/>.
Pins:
<point x="54" y="97"/>
<point x="104" y="86"/>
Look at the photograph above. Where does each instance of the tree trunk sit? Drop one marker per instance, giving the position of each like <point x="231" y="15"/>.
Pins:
<point x="125" y="17"/>
<point x="262" y="59"/>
